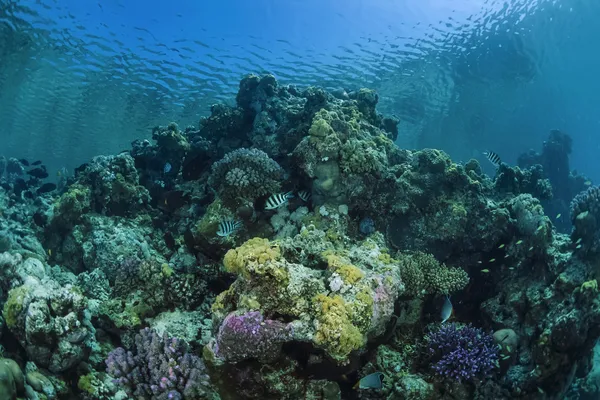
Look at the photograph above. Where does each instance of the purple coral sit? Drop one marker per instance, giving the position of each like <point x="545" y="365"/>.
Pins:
<point x="158" y="367"/>
<point x="250" y="335"/>
<point x="462" y="353"/>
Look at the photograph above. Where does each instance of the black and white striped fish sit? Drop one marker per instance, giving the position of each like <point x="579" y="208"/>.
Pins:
<point x="493" y="157"/>
<point x="305" y="195"/>
<point x="277" y="200"/>
<point x="228" y="227"/>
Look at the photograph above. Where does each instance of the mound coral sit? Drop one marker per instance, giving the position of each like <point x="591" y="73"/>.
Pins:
<point x="159" y="367"/>
<point x="246" y="174"/>
<point x="250" y="335"/>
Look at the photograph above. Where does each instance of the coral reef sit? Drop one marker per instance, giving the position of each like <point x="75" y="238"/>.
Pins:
<point x="121" y="282"/>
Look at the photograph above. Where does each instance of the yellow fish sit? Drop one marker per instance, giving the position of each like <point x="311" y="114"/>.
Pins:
<point x="485" y="271"/>
<point x="50" y="252"/>
<point x="519" y="241"/>
<point x="501" y="246"/>
<point x="540" y="228"/>
<point x="558" y="216"/>
<point x="578" y="246"/>
<point x="492" y="259"/>
<point x="587" y="183"/>
<point x="531" y="248"/>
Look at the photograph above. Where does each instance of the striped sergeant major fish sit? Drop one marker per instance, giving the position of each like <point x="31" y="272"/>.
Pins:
<point x="277" y="200"/>
<point x="227" y="227"/>
<point x="493" y="157"/>
<point x="305" y="195"/>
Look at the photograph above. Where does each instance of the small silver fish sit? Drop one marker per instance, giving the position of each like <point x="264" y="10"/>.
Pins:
<point x="446" y="309"/>
<point x="277" y="200"/>
<point x="371" y="381"/>
<point x="167" y="168"/>
<point x="305" y="195"/>
<point x="228" y="227"/>
<point x="493" y="157"/>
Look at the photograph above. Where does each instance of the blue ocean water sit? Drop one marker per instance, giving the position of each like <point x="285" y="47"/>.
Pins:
<point x="82" y="78"/>
<point x="172" y="227"/>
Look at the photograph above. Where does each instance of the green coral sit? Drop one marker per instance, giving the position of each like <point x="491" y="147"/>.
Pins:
<point x="14" y="305"/>
<point x="423" y="274"/>
<point x="72" y="205"/>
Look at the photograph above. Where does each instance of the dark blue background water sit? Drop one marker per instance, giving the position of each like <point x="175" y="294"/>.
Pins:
<point x="80" y="78"/>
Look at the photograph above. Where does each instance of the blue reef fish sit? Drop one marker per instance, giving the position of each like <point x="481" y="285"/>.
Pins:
<point x="493" y="157"/>
<point x="277" y="200"/>
<point x="167" y="168"/>
<point x="371" y="381"/>
<point x="305" y="195"/>
<point x="446" y="309"/>
<point x="228" y="227"/>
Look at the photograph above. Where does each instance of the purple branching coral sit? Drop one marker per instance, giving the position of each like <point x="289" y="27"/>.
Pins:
<point x="250" y="335"/>
<point x="159" y="368"/>
<point x="462" y="353"/>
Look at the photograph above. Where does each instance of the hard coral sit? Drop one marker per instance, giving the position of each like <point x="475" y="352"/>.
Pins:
<point x="246" y="174"/>
<point x="334" y="329"/>
<point x="251" y="257"/>
<point x="250" y="335"/>
<point x="462" y="353"/>
<point x="159" y="367"/>
<point x="423" y="274"/>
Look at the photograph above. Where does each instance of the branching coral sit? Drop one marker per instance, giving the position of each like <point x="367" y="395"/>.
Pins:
<point x="462" y="353"/>
<point x="246" y="174"/>
<point x="423" y="274"/>
<point x="159" y="367"/>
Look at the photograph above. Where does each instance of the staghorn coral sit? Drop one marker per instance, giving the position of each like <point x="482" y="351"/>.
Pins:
<point x="423" y="274"/>
<point x="159" y="367"/>
<point x="245" y="174"/>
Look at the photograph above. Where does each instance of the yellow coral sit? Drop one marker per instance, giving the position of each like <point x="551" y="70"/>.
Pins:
<point x="257" y="256"/>
<point x="361" y="310"/>
<point x="350" y="274"/>
<point x="255" y="250"/>
<point x="335" y="332"/>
